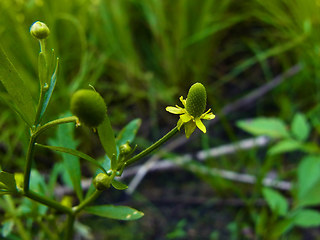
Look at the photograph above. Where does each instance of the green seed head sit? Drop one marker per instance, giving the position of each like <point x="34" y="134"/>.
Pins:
<point x="196" y="100"/>
<point x="39" y="30"/>
<point x="89" y="107"/>
<point x="100" y="182"/>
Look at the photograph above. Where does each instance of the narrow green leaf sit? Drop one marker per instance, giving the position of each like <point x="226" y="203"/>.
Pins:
<point x="107" y="138"/>
<point x="74" y="153"/>
<point x="115" y="212"/>
<point x="129" y="132"/>
<point x="300" y="127"/>
<point x="277" y="203"/>
<point x="64" y="137"/>
<point x="118" y="185"/>
<point x="8" y="183"/>
<point x="309" y="181"/>
<point x="16" y="88"/>
<point x="307" y="218"/>
<point x="49" y="92"/>
<point x="271" y="127"/>
<point x="287" y="145"/>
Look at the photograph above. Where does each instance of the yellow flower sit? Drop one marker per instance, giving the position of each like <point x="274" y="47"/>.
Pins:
<point x="193" y="110"/>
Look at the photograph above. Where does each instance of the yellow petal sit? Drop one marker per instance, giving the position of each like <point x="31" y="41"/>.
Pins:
<point x="175" y="110"/>
<point x="185" y="117"/>
<point x="208" y="116"/>
<point x="183" y="101"/>
<point x="200" y="125"/>
<point x="189" y="128"/>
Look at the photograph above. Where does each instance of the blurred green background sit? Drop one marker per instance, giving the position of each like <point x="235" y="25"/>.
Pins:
<point x="142" y="55"/>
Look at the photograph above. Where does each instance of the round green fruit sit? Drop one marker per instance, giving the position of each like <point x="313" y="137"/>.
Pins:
<point x="100" y="182"/>
<point x="196" y="100"/>
<point x="89" y="107"/>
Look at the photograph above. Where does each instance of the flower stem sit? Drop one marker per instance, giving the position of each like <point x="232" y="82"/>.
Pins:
<point x="48" y="202"/>
<point x="69" y="227"/>
<point x="31" y="146"/>
<point x="87" y="201"/>
<point x="152" y="147"/>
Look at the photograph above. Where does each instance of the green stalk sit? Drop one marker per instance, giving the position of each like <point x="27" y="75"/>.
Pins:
<point x="48" y="202"/>
<point x="153" y="146"/>
<point x="69" y="228"/>
<point x="31" y="146"/>
<point x="87" y="201"/>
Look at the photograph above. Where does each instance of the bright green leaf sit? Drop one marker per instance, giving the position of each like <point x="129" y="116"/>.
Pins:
<point x="271" y="127"/>
<point x="277" y="203"/>
<point x="118" y="185"/>
<point x="300" y="127"/>
<point x="129" y="132"/>
<point x="16" y="88"/>
<point x="8" y="183"/>
<point x="115" y="212"/>
<point x="287" y="145"/>
<point x="307" y="218"/>
<point x="309" y="181"/>
<point x="107" y="138"/>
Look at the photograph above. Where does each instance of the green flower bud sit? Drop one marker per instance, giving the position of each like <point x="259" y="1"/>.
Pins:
<point x="196" y="100"/>
<point x="100" y="182"/>
<point x="89" y="107"/>
<point x="125" y="149"/>
<point x="39" y="30"/>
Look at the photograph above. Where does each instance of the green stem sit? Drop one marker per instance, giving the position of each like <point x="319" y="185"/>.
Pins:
<point x="32" y="143"/>
<point x="48" y="202"/>
<point x="87" y="201"/>
<point x="69" y="227"/>
<point x="153" y="146"/>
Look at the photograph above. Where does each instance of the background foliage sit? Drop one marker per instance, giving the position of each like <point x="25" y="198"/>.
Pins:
<point x="142" y="55"/>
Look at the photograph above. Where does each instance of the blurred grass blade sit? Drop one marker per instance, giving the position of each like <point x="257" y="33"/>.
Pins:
<point x="129" y="132"/>
<point x="107" y="138"/>
<point x="115" y="212"/>
<point x="16" y="88"/>
<point x="48" y="94"/>
<point x="74" y="153"/>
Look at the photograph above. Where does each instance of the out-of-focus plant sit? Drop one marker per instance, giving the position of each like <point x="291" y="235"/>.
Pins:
<point x="36" y="199"/>
<point x="285" y="212"/>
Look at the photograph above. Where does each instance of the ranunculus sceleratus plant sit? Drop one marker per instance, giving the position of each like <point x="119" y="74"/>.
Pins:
<point x="89" y="110"/>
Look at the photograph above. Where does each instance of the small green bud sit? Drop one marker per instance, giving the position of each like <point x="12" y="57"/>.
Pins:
<point x="89" y="107"/>
<point x="125" y="149"/>
<point x="39" y="30"/>
<point x="196" y="100"/>
<point x="100" y="182"/>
